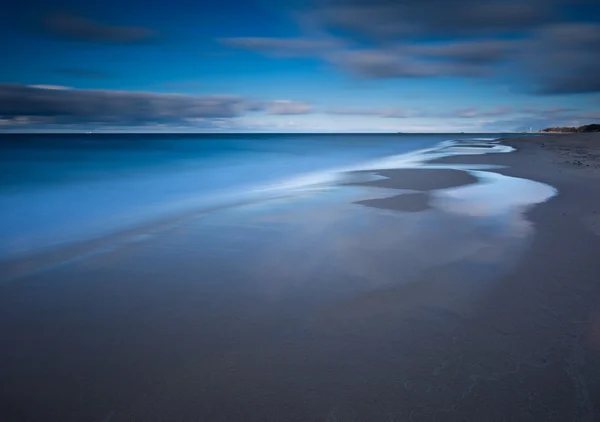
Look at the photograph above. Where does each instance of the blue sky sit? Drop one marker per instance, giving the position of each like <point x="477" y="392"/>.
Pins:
<point x="319" y="65"/>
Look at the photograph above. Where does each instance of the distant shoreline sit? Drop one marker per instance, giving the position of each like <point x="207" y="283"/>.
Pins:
<point x="580" y="129"/>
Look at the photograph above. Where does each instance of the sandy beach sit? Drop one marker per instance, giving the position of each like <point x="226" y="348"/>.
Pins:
<point x="418" y="295"/>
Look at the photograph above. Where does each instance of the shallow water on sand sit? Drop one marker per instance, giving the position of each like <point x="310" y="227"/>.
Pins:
<point x="322" y="305"/>
<point x="58" y="189"/>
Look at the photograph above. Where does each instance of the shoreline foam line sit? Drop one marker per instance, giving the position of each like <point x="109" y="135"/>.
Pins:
<point x="493" y="194"/>
<point x="308" y="182"/>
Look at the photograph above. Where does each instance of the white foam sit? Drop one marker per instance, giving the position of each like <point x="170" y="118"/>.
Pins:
<point x="496" y="194"/>
<point x="69" y="213"/>
<point x="410" y="159"/>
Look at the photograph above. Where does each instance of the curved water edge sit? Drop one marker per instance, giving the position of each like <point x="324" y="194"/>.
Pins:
<point x="416" y="159"/>
<point x="490" y="194"/>
<point x="60" y="189"/>
<point x="498" y="192"/>
<point x="71" y="203"/>
<point x="480" y="229"/>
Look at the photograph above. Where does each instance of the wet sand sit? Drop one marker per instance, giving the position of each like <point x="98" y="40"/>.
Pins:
<point x="546" y="312"/>
<point x="326" y="309"/>
<point x="408" y="202"/>
<point x="424" y="179"/>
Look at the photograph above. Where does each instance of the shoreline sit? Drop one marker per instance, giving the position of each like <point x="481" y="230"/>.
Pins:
<point x="553" y="294"/>
<point x="456" y="303"/>
<point x="411" y="171"/>
<point x="543" y="317"/>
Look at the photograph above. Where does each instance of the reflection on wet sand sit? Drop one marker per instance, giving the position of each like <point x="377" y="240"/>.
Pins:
<point x="500" y="199"/>
<point x="307" y="308"/>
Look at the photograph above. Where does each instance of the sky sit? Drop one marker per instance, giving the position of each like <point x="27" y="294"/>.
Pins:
<point x="299" y="66"/>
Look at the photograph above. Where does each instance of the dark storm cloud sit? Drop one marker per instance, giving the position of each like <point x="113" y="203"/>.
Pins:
<point x="457" y="59"/>
<point x="543" y="41"/>
<point x="384" y="19"/>
<point x="382" y="64"/>
<point x="564" y="58"/>
<point x="63" y="105"/>
<point x="80" y="28"/>
<point x="475" y="52"/>
<point x="419" y="60"/>
<point x="541" y="45"/>
<point x="51" y="104"/>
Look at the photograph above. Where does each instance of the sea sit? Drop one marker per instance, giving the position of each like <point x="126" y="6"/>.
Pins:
<point x="57" y="189"/>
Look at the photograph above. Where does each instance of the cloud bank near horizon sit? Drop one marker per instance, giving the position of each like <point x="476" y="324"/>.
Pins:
<point x="385" y="63"/>
<point x="51" y="106"/>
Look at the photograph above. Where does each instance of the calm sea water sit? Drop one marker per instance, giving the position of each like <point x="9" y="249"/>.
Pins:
<point x="56" y="189"/>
